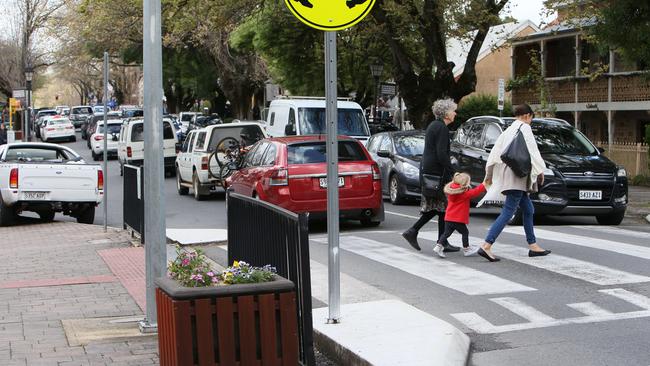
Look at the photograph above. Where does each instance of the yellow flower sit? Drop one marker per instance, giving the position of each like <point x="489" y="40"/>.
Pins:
<point x="235" y="264"/>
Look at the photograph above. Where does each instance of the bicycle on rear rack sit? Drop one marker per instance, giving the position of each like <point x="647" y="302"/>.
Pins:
<point x="229" y="155"/>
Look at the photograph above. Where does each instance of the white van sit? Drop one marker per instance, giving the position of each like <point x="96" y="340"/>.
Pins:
<point x="130" y="149"/>
<point x="307" y="117"/>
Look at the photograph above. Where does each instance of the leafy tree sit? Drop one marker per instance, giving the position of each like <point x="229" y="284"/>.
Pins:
<point x="480" y="105"/>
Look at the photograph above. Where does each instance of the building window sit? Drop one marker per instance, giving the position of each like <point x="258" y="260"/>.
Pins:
<point x="593" y="59"/>
<point x="621" y="64"/>
<point x="522" y="55"/>
<point x="560" y="57"/>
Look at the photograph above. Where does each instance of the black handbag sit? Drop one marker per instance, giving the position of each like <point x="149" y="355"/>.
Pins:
<point x="431" y="185"/>
<point x="517" y="157"/>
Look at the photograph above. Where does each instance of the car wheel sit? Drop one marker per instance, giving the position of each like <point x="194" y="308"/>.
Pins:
<point x="47" y="216"/>
<point x="396" y="197"/>
<point x="95" y="156"/>
<point x="73" y="138"/>
<point x="196" y="188"/>
<point x="182" y="190"/>
<point x="87" y="216"/>
<point x="369" y="223"/>
<point x="7" y="214"/>
<point x="611" y="219"/>
<point x="517" y="218"/>
<point x="121" y="169"/>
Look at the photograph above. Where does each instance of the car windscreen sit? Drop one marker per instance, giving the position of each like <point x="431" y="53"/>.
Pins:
<point x="409" y="145"/>
<point x="314" y="152"/>
<point x="112" y="128"/>
<point x="351" y="122"/>
<point x="248" y="135"/>
<point x="562" y="140"/>
<point x="82" y="110"/>
<point x="58" y="122"/>
<point x="34" y="154"/>
<point x="47" y="113"/>
<point x="137" y="134"/>
<point x="187" y="117"/>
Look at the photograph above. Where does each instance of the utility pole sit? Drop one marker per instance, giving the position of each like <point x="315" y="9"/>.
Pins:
<point x="105" y="141"/>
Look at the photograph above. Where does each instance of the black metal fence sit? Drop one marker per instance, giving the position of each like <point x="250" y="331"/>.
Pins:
<point x="133" y="201"/>
<point x="260" y="233"/>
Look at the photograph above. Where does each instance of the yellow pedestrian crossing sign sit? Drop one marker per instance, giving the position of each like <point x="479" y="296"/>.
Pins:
<point x="330" y="15"/>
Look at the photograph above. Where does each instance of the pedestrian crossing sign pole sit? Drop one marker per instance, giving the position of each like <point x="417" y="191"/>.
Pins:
<point x="331" y="16"/>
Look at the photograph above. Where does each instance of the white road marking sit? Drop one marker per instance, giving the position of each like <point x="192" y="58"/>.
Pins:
<point x="352" y="290"/>
<point x="443" y="272"/>
<point x="589" y="242"/>
<point x="405" y="215"/>
<point x="615" y="231"/>
<point x="589" y="308"/>
<point x="525" y="311"/>
<point x="629" y="296"/>
<point x="594" y="315"/>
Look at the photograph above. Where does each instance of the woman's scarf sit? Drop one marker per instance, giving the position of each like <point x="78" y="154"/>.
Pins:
<point x="494" y="193"/>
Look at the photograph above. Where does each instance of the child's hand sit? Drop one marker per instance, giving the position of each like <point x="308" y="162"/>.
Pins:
<point x="487" y="182"/>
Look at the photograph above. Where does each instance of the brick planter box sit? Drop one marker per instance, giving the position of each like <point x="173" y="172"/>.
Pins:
<point x="248" y="324"/>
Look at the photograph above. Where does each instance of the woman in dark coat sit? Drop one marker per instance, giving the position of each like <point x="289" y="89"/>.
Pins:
<point x="3" y="134"/>
<point x="435" y="161"/>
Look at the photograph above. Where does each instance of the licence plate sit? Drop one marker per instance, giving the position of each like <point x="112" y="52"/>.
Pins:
<point x="35" y="195"/>
<point x="323" y="182"/>
<point x="590" y="195"/>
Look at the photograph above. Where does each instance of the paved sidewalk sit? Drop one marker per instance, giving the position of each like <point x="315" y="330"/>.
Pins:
<point x="53" y="274"/>
<point x="639" y="203"/>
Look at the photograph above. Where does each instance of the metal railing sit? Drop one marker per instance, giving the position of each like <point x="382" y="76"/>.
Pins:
<point x="133" y="201"/>
<point x="260" y="233"/>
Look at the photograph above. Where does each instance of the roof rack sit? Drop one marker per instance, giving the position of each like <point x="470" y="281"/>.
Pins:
<point x="346" y="99"/>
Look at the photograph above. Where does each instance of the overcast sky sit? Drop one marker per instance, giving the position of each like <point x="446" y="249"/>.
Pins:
<point x="529" y="9"/>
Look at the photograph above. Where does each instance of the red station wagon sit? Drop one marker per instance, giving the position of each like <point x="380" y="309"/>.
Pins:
<point x="291" y="172"/>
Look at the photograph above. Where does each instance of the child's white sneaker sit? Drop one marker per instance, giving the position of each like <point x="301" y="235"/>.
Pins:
<point x="471" y="250"/>
<point x="438" y="249"/>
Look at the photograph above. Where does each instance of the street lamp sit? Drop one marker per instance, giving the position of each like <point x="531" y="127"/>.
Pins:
<point x="376" y="69"/>
<point x="29" y="76"/>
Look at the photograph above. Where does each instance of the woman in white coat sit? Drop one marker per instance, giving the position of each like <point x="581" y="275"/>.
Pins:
<point x="511" y="190"/>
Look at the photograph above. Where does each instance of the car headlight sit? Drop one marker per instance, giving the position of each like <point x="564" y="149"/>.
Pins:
<point x="548" y="172"/>
<point x="621" y="172"/>
<point x="410" y="171"/>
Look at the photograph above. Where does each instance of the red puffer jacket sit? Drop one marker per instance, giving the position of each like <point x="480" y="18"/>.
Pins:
<point x="458" y="202"/>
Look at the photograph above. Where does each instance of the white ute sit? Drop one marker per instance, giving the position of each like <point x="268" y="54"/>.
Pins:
<point x="47" y="178"/>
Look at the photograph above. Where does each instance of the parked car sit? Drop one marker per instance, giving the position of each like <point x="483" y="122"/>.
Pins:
<point x="60" y="108"/>
<point x="185" y="118"/>
<point x="579" y="180"/>
<point x="47" y="178"/>
<point x="97" y="139"/>
<point x="131" y="144"/>
<point x="288" y="117"/>
<point x="42" y="117"/>
<point x="91" y="121"/>
<point x="195" y="161"/>
<point x="79" y="113"/>
<point x="58" y="128"/>
<point x="291" y="172"/>
<point x="398" y="155"/>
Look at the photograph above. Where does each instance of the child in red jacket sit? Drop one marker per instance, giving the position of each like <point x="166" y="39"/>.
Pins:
<point x="457" y="214"/>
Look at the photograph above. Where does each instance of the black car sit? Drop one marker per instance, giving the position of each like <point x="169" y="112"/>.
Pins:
<point x="578" y="181"/>
<point x="398" y="155"/>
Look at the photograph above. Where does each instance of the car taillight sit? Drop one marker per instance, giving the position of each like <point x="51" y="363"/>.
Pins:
<point x="100" y="180"/>
<point x="279" y="178"/>
<point x="50" y="129"/>
<point x="98" y="137"/>
<point x="13" y="178"/>
<point x="204" y="163"/>
<point x="129" y="153"/>
<point x="376" y="174"/>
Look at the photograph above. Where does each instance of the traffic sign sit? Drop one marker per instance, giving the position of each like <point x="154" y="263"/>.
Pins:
<point x="502" y="94"/>
<point x="330" y="15"/>
<point x="388" y="89"/>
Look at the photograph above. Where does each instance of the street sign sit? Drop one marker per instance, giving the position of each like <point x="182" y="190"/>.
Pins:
<point x="330" y="15"/>
<point x="388" y="89"/>
<point x="18" y="93"/>
<point x="502" y="94"/>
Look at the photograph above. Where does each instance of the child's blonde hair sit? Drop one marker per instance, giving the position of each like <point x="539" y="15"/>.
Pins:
<point x="462" y="179"/>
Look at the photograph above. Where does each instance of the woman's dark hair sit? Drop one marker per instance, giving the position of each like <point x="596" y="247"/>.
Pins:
<point x="522" y="109"/>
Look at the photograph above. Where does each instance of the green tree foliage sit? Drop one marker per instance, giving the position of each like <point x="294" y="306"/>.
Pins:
<point x="480" y="105"/>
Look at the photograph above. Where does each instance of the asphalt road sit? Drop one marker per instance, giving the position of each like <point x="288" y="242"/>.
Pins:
<point x="588" y="303"/>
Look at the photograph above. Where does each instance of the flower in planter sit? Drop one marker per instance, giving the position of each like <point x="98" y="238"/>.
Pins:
<point x="242" y="272"/>
<point x="191" y="269"/>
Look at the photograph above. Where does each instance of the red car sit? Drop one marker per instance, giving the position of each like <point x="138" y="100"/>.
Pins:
<point x="291" y="172"/>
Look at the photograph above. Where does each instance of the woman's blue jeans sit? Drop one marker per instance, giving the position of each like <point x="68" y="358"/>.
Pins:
<point x="514" y="199"/>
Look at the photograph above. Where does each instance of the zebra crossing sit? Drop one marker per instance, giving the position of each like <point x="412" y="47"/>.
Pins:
<point x="509" y="294"/>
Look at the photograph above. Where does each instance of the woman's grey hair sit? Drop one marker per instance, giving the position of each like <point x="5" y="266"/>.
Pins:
<point x="443" y="106"/>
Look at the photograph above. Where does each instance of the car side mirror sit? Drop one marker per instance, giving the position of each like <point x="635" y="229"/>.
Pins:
<point x="489" y="147"/>
<point x="601" y="150"/>
<point x="179" y="146"/>
<point x="290" y="130"/>
<point x="383" y="154"/>
<point x="116" y="137"/>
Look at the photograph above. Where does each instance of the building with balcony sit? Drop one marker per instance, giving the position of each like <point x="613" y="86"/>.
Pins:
<point x="603" y="95"/>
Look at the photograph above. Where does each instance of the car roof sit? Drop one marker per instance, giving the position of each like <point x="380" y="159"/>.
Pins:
<point x="288" y="140"/>
<point x="507" y="121"/>
<point x="238" y="124"/>
<point x="404" y="133"/>
<point x="82" y="106"/>
<point x="313" y="103"/>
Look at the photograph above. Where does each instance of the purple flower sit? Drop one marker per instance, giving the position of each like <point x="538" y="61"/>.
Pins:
<point x="185" y="262"/>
